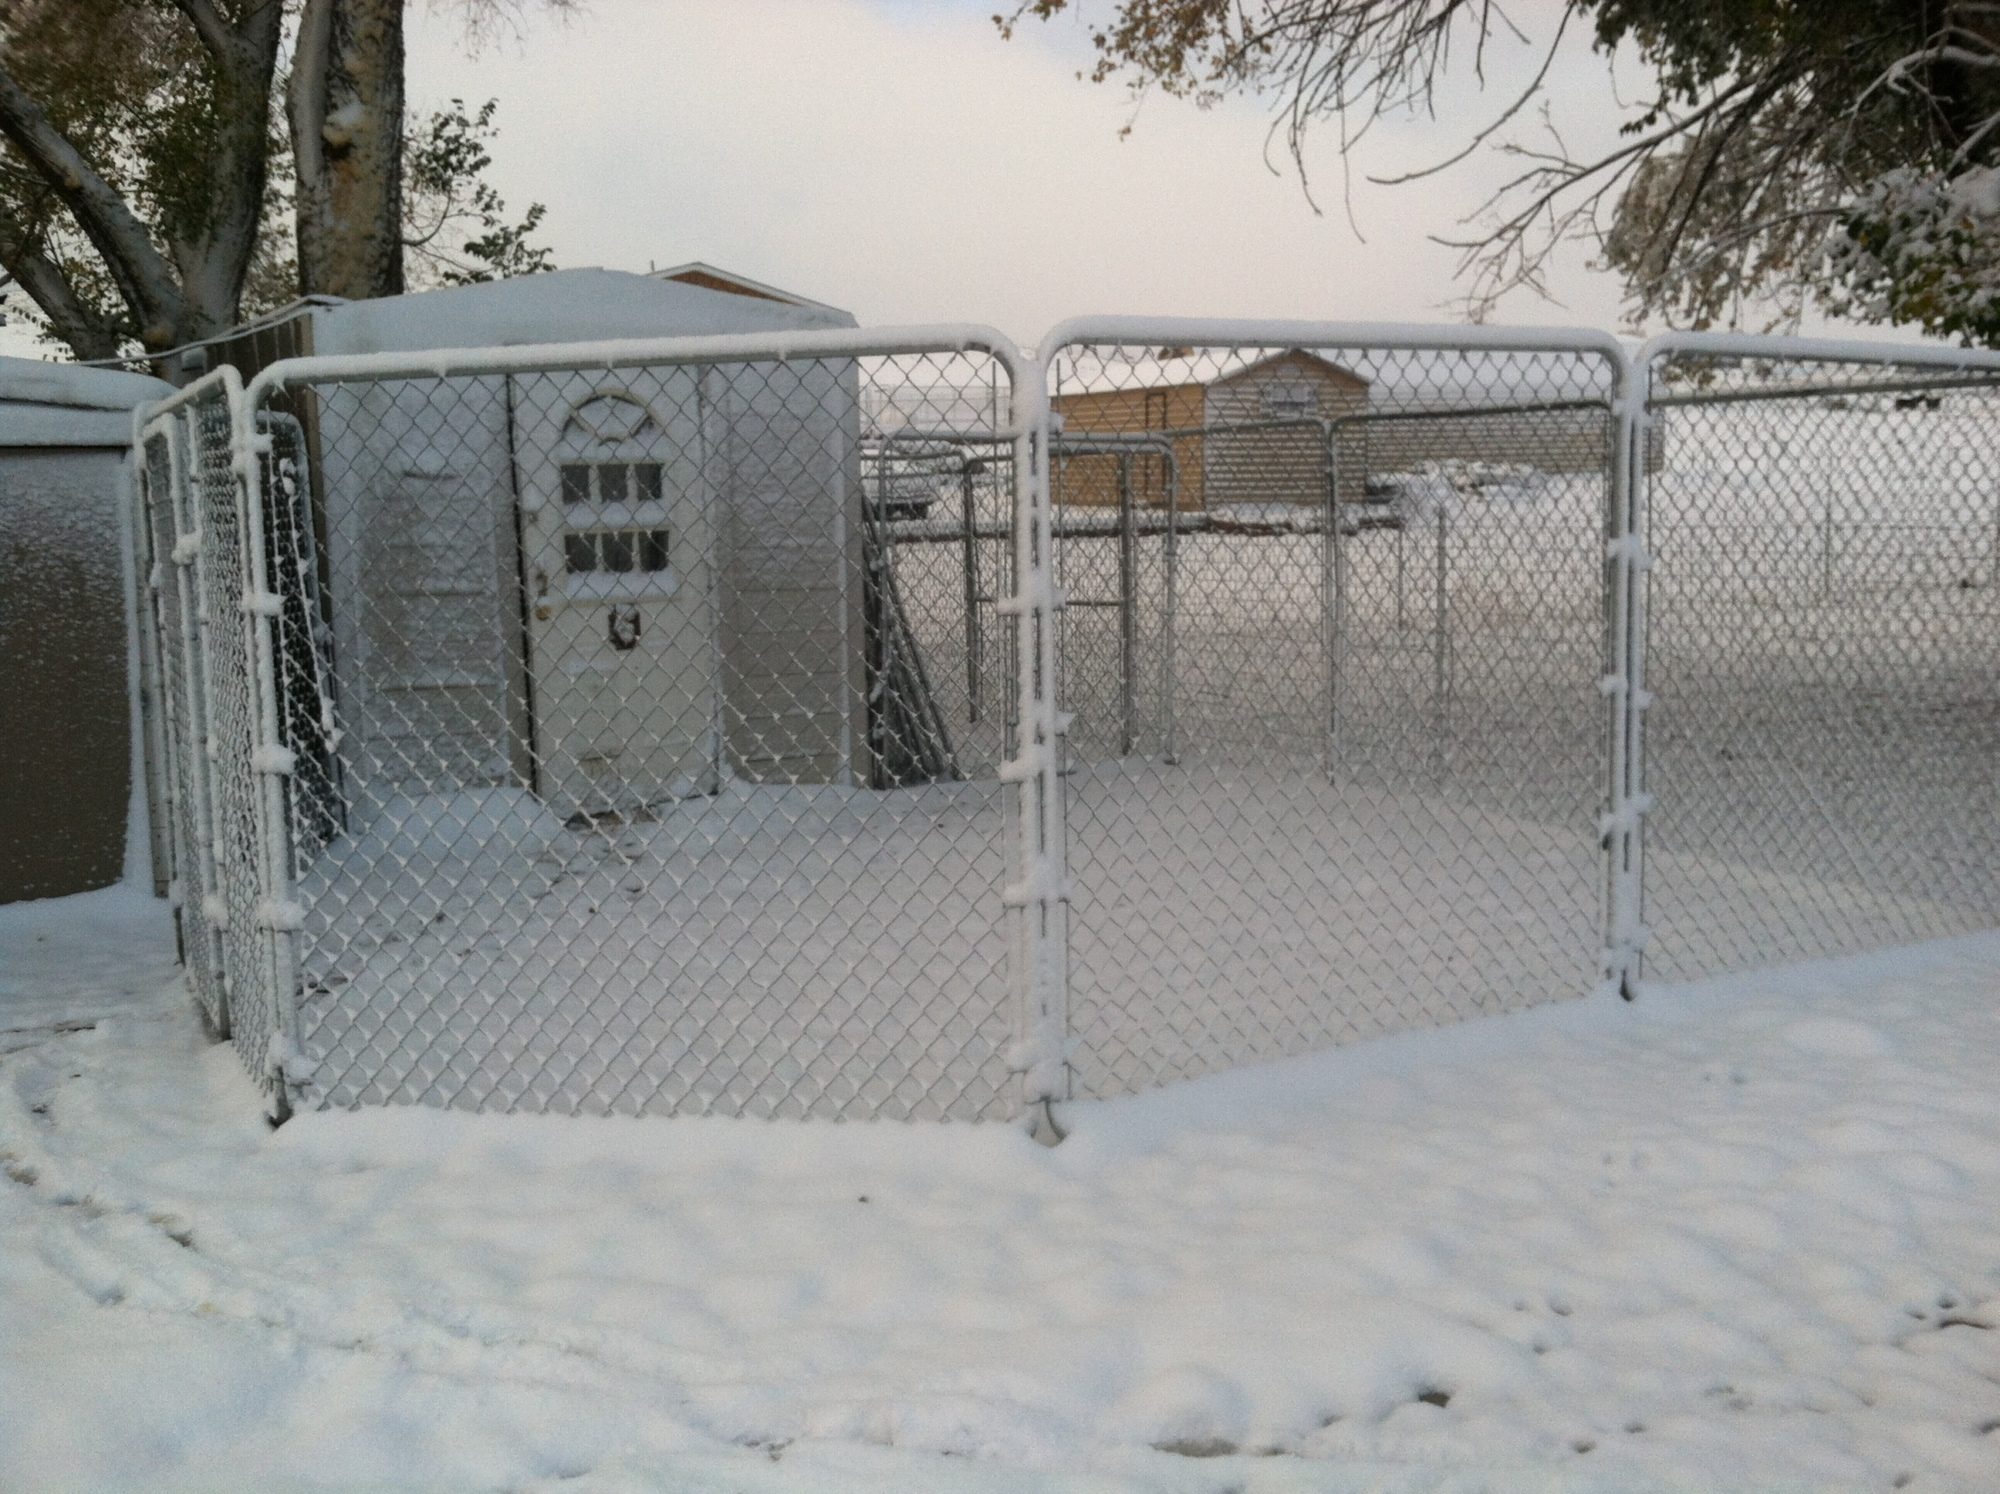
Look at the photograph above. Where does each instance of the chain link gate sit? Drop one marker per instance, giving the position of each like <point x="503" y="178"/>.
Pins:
<point x="1370" y="789"/>
<point x="209" y="588"/>
<point x="593" y="758"/>
<point x="881" y="723"/>
<point x="1822" y="636"/>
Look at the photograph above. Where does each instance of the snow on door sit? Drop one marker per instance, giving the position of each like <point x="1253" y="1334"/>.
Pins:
<point x="618" y="551"/>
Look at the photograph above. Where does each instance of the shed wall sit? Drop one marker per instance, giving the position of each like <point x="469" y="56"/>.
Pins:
<point x="65" y="731"/>
<point x="1552" y="441"/>
<point x="1283" y="464"/>
<point x="784" y="458"/>
<point x="422" y="548"/>
<point x="1093" y="480"/>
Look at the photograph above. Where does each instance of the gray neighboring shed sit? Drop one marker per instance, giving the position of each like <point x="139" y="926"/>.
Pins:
<point x="417" y="488"/>
<point x="65" y="705"/>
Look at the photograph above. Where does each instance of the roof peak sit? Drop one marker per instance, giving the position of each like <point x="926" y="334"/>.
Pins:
<point x="700" y="273"/>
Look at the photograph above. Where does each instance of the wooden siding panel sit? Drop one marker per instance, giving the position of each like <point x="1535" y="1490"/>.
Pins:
<point x="1262" y="464"/>
<point x="1092" y="481"/>
<point x="1553" y="441"/>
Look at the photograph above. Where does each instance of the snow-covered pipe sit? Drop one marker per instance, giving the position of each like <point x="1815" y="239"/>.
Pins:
<point x="1040" y="898"/>
<point x="1813" y="349"/>
<point x="227" y="377"/>
<point x="1388" y="336"/>
<point x="278" y="914"/>
<point x="139" y="848"/>
<point x="1627" y="560"/>
<point x="574" y="357"/>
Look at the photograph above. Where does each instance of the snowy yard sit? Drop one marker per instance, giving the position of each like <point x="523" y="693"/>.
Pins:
<point x="1745" y="1236"/>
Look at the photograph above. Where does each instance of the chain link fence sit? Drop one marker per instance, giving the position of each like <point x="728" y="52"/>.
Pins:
<point x="1371" y="749"/>
<point x="586" y="738"/>
<point x="1823" y="643"/>
<point x="888" y="724"/>
<point x="203" y="551"/>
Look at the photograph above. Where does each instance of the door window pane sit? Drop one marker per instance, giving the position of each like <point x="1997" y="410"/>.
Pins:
<point x="580" y="552"/>
<point x="617" y="546"/>
<point x="575" y="483"/>
<point x="653" y="550"/>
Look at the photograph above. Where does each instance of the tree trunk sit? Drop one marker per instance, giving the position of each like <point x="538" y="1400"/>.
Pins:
<point x="345" y="103"/>
<point x="214" y="259"/>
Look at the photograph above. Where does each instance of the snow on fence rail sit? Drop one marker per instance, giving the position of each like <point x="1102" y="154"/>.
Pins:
<point x="892" y="723"/>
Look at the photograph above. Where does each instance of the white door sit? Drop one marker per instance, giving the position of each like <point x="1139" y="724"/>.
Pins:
<point x="618" y="555"/>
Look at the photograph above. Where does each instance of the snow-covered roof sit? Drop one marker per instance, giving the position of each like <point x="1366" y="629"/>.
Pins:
<point x="714" y="277"/>
<point x="1299" y="354"/>
<point x="67" y="404"/>
<point x="561" y="306"/>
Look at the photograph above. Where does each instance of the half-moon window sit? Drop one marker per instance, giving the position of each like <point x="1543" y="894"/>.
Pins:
<point x="609" y="421"/>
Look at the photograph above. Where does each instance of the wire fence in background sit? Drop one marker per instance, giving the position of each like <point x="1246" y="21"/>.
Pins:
<point x="885" y="723"/>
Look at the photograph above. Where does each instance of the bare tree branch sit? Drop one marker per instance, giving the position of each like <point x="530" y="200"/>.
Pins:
<point x="27" y="260"/>
<point x="1761" y="128"/>
<point x="144" y="277"/>
<point x="215" y="33"/>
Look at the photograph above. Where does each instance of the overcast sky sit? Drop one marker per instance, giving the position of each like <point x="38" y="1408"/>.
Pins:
<point x="899" y="159"/>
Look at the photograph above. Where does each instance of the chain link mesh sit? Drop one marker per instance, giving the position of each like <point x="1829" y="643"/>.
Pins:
<point x="206" y="594"/>
<point x="646" y="737"/>
<point x="1341" y="775"/>
<point x="1823" y="640"/>
<point x="238" y="904"/>
<point x="650" y="740"/>
<point x="173" y="586"/>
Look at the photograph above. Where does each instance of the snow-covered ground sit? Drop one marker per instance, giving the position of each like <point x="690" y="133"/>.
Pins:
<point x="1741" y="1236"/>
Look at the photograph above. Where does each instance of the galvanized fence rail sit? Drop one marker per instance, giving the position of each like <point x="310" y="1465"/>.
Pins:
<point x="892" y="723"/>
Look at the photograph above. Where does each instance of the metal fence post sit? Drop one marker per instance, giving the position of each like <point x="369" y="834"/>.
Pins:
<point x="143" y="573"/>
<point x="1169" y="746"/>
<point x="1040" y="898"/>
<point x="1441" y="647"/>
<point x="196" y="551"/>
<point x="1402" y="568"/>
<point x="1128" y="610"/>
<point x="1624" y="687"/>
<point x="1333" y="583"/>
<point x="1996" y="539"/>
<point x="969" y="537"/>
<point x="277" y="915"/>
